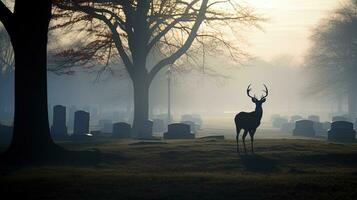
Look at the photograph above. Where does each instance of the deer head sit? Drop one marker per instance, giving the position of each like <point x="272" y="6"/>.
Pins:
<point x="258" y="102"/>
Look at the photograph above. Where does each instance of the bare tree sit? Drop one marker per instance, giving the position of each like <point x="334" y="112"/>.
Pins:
<point x="135" y="31"/>
<point x="6" y="52"/>
<point x="27" y="25"/>
<point x="332" y="60"/>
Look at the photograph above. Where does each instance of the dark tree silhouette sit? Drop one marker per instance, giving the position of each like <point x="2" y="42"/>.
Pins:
<point x="332" y="59"/>
<point x="27" y="27"/>
<point x="138" y="29"/>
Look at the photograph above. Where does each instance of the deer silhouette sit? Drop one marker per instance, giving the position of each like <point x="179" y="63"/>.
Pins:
<point x="249" y="122"/>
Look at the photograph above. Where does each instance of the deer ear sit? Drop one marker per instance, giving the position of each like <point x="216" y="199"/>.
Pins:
<point x="254" y="100"/>
<point x="263" y="100"/>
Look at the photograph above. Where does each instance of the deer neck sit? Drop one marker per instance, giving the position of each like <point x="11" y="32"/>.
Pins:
<point x="259" y="112"/>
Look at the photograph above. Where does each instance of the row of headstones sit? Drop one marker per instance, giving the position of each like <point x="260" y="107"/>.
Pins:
<point x="119" y="130"/>
<point x="339" y="130"/>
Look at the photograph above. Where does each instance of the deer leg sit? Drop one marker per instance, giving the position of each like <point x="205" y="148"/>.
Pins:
<point x="237" y="138"/>
<point x="244" y="136"/>
<point x="251" y="133"/>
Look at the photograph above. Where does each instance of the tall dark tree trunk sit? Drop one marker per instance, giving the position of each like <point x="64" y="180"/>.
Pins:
<point x="141" y="104"/>
<point x="28" y="33"/>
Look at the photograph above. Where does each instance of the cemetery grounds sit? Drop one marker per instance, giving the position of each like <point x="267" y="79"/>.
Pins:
<point x="283" y="167"/>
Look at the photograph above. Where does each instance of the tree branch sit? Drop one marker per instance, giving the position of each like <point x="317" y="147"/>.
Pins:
<point x="191" y="37"/>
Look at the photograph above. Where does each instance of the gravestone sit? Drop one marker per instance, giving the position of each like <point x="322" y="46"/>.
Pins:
<point x="121" y="130"/>
<point x="59" y="128"/>
<point x="158" y="125"/>
<point x="341" y="131"/>
<point x="106" y="125"/>
<point x="295" y="118"/>
<point x="279" y="121"/>
<point x="178" y="131"/>
<point x="288" y="127"/>
<point x="5" y="134"/>
<point x="314" y="118"/>
<point x="81" y="124"/>
<point x="191" y="124"/>
<point x="304" y="128"/>
<point x="145" y="131"/>
<point x="338" y="118"/>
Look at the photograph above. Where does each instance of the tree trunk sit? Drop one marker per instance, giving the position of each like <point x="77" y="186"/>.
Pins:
<point x="141" y="104"/>
<point x="31" y="133"/>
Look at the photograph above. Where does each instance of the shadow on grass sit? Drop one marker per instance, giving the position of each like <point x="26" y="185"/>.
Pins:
<point x="258" y="163"/>
<point x="341" y="158"/>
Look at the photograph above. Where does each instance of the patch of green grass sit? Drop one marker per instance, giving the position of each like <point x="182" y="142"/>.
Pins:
<point x="193" y="169"/>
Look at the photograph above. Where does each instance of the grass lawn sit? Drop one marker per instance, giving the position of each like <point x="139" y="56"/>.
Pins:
<point x="192" y="169"/>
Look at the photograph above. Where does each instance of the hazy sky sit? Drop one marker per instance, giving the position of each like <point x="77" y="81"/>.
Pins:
<point x="289" y="26"/>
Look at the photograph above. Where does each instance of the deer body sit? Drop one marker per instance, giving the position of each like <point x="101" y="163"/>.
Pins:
<point x="249" y="122"/>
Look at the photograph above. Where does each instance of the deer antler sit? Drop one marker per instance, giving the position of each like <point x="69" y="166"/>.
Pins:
<point x="248" y="92"/>
<point x="266" y="92"/>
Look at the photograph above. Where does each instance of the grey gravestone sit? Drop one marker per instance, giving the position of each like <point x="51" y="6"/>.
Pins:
<point x="191" y="124"/>
<point x="304" y="128"/>
<point x="314" y="118"/>
<point x="105" y="125"/>
<point x="5" y="134"/>
<point x="159" y="125"/>
<point x="295" y="118"/>
<point x="338" y="118"/>
<point x="287" y="127"/>
<point x="121" y="130"/>
<point x="59" y="128"/>
<point x="279" y="121"/>
<point x="342" y="131"/>
<point x="179" y="131"/>
<point x="145" y="131"/>
<point x="81" y="124"/>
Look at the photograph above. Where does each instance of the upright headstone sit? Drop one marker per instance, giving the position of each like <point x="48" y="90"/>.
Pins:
<point x="304" y="128"/>
<point x="158" y="125"/>
<point x="121" y="130"/>
<point x="59" y="128"/>
<point x="342" y="131"/>
<point x="314" y="118"/>
<point x="81" y="123"/>
<point x="338" y="118"/>
<point x="178" y="131"/>
<point x="145" y="131"/>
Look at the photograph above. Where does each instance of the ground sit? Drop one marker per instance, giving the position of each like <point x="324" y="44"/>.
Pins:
<point x="192" y="169"/>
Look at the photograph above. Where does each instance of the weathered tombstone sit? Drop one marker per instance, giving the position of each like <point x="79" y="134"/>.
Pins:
<point x="105" y="125"/>
<point x="304" y="128"/>
<point x="5" y="134"/>
<point x="319" y="129"/>
<point x="81" y="124"/>
<point x="158" y="125"/>
<point x="121" y="130"/>
<point x="288" y="127"/>
<point x="191" y="124"/>
<point x="295" y="118"/>
<point x="179" y="131"/>
<point x="314" y="118"/>
<point x="279" y="121"/>
<point x="341" y="131"/>
<point x="145" y="131"/>
<point x="338" y="118"/>
<point x="59" y="128"/>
